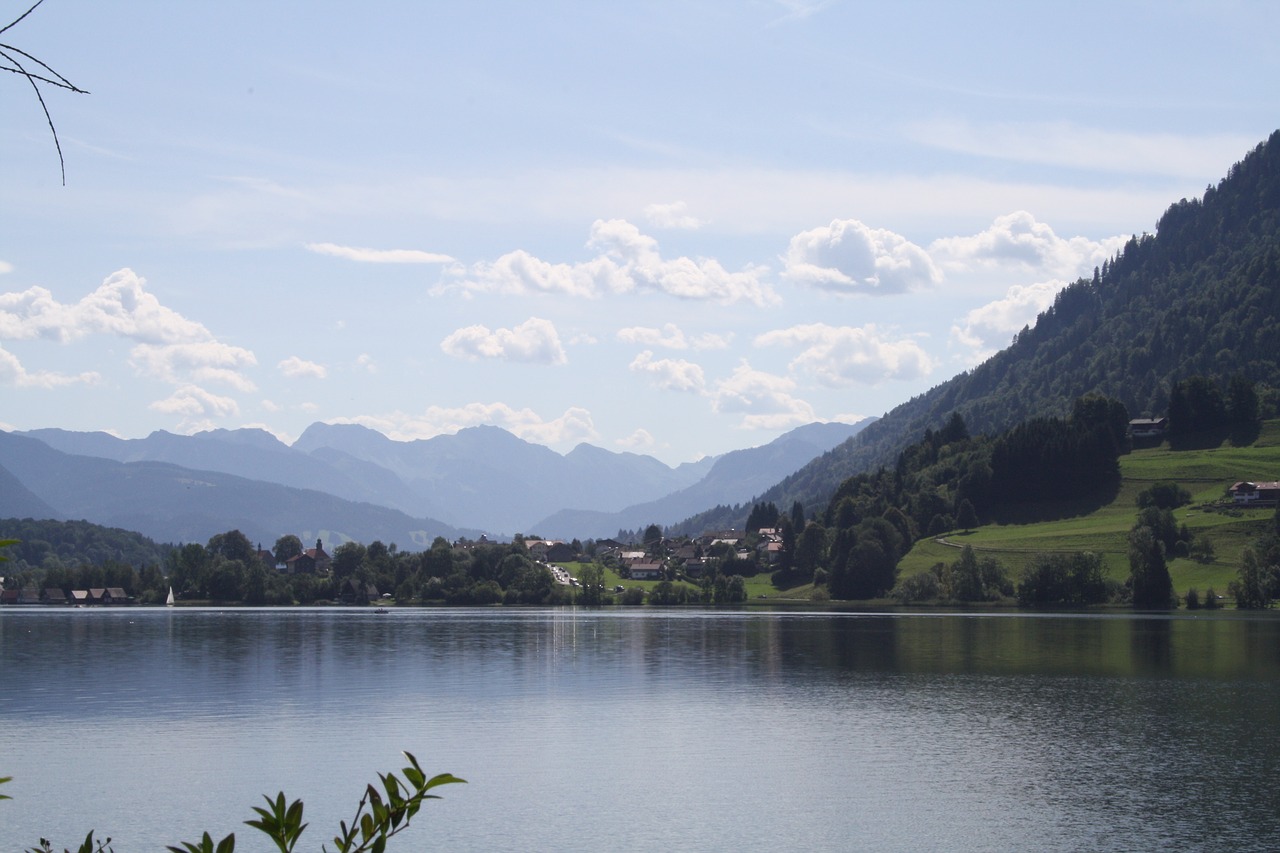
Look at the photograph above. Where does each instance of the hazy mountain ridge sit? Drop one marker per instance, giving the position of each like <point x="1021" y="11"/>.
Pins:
<point x="250" y="453"/>
<point x="735" y="477"/>
<point x="169" y="503"/>
<point x="489" y="478"/>
<point x="480" y="479"/>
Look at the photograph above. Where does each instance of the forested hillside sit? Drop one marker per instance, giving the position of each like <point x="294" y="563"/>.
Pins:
<point x="1199" y="297"/>
<point x="71" y="543"/>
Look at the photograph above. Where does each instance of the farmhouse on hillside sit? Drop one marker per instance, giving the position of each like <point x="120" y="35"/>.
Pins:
<point x="1256" y="493"/>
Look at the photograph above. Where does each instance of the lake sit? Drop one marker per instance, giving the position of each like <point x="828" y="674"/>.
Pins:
<point x="648" y="729"/>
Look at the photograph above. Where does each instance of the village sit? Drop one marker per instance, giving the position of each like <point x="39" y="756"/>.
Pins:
<point x="658" y="559"/>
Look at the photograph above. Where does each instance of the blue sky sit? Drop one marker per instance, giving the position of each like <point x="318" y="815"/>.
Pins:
<point x="672" y="228"/>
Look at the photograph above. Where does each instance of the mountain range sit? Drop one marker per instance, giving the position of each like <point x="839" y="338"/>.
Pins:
<point x="340" y="482"/>
<point x="1200" y="296"/>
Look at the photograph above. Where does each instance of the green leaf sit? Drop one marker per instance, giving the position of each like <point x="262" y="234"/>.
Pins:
<point x="366" y="828"/>
<point x="443" y="779"/>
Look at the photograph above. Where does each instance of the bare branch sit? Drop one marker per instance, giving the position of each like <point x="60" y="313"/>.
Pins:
<point x="62" y="163"/>
<point x="18" y="19"/>
<point x="61" y="82"/>
<point x="9" y="54"/>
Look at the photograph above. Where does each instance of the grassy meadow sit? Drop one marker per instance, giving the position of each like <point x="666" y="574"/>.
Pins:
<point x="1101" y="527"/>
<point x="1206" y="473"/>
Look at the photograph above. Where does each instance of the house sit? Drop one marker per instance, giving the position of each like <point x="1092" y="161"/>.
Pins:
<point x="356" y="592"/>
<point x="1148" y="427"/>
<point x="646" y="571"/>
<point x="771" y="551"/>
<point x="695" y="567"/>
<point x="313" y="561"/>
<point x="561" y="552"/>
<point x="1256" y="493"/>
<point x="53" y="595"/>
<point x="79" y="597"/>
<point x="686" y="552"/>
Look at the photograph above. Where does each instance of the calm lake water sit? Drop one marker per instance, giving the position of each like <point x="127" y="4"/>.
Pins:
<point x="649" y="729"/>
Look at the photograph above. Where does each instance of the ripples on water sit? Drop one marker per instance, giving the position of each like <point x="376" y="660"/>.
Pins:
<point x="648" y="729"/>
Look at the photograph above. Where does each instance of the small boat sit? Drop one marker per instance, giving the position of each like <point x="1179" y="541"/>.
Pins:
<point x="169" y="601"/>
<point x="381" y="610"/>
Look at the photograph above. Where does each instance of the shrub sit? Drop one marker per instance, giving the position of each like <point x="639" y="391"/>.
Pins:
<point x="922" y="586"/>
<point x="632" y="596"/>
<point x="1164" y="495"/>
<point x="1063" y="579"/>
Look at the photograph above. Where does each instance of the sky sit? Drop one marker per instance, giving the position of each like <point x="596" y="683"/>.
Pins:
<point x="671" y="228"/>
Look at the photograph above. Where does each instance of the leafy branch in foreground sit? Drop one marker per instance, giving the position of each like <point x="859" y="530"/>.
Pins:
<point x="380" y="815"/>
<point x="10" y="62"/>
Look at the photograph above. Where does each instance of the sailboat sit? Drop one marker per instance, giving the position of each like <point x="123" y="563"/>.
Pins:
<point x="169" y="601"/>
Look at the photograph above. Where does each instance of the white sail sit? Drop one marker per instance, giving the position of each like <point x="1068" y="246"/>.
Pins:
<point x="169" y="600"/>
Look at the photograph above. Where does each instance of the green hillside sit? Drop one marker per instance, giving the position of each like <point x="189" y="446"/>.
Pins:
<point x="1205" y="473"/>
<point x="1201" y="296"/>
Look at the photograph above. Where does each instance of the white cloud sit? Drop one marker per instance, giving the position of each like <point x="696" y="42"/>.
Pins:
<point x="168" y="346"/>
<point x="987" y="329"/>
<point x="365" y="362"/>
<point x="205" y="361"/>
<point x="638" y="440"/>
<point x="849" y="257"/>
<point x="628" y="261"/>
<point x="671" y="337"/>
<point x="764" y="400"/>
<point x="5" y="267"/>
<point x="191" y="401"/>
<point x="1093" y="149"/>
<point x="671" y="216"/>
<point x="120" y="306"/>
<point x="533" y="341"/>
<point x="294" y="367"/>
<point x="519" y="272"/>
<point x="670" y="374"/>
<point x="844" y="355"/>
<point x="572" y="427"/>
<point x="13" y="373"/>
<point x="1017" y="240"/>
<point x="379" y="256"/>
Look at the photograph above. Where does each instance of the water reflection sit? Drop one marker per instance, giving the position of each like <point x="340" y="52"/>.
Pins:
<point x="639" y="729"/>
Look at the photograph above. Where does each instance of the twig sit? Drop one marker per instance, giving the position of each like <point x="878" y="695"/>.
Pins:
<point x="9" y="53"/>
